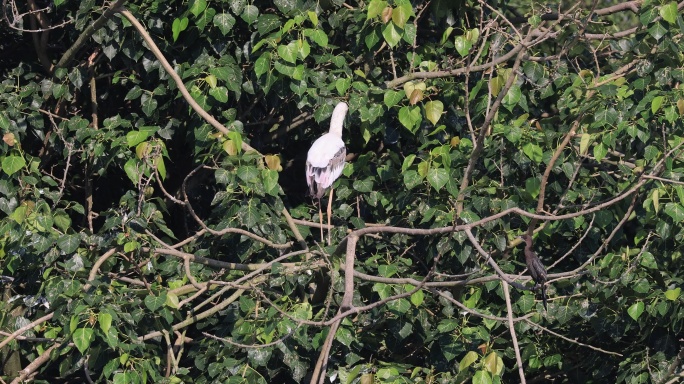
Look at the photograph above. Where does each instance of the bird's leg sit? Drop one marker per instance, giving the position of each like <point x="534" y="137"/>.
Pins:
<point x="330" y="212"/>
<point x="320" y="217"/>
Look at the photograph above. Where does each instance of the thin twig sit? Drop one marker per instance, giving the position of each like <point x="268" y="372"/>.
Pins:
<point x="511" y="329"/>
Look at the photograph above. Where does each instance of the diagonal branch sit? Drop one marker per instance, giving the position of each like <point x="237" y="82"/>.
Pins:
<point x="88" y="33"/>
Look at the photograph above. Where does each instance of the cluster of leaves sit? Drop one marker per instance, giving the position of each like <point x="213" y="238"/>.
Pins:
<point x="156" y="249"/>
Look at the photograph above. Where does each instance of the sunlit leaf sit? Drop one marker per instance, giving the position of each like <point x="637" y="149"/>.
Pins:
<point x="635" y="310"/>
<point x="673" y="294"/>
<point x="669" y="12"/>
<point x="437" y="177"/>
<point x="533" y="151"/>
<point x="467" y="360"/>
<point x="82" y="337"/>
<point x="392" y="34"/>
<point x="433" y="111"/>
<point x="12" y="164"/>
<point x="401" y="14"/>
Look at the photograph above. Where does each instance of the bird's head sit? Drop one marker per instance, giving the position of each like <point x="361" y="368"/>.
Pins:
<point x="526" y="238"/>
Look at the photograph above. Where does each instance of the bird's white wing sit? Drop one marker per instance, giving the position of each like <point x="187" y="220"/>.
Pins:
<point x="324" y="163"/>
<point x="324" y="149"/>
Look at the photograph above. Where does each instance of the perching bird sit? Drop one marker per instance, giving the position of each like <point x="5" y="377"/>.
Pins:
<point x="535" y="266"/>
<point x="325" y="161"/>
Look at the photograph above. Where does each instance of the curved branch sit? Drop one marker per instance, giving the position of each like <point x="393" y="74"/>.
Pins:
<point x="511" y="329"/>
<point x="179" y="82"/>
<point x="26" y="328"/>
<point x="34" y="365"/>
<point x="88" y="33"/>
<point x="454" y="72"/>
<point x="532" y="323"/>
<point x="196" y="317"/>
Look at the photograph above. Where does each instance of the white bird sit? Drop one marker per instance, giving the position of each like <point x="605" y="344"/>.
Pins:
<point x="325" y="161"/>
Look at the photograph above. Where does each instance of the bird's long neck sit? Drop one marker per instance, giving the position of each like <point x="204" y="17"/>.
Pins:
<point x="528" y="245"/>
<point x="337" y="120"/>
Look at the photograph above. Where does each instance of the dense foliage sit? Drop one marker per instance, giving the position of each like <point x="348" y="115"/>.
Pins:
<point x="144" y="240"/>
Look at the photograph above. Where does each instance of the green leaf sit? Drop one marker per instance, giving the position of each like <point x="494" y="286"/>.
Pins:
<point x="669" y="12"/>
<point x="313" y="17"/>
<point x="375" y="8"/>
<point x="153" y="302"/>
<point x="391" y="34"/>
<point x="673" y="294"/>
<point x="482" y="377"/>
<point x="534" y="71"/>
<point x="248" y="173"/>
<point x="462" y="45"/>
<point x="197" y="7"/>
<point x="534" y="21"/>
<point x="105" y="321"/>
<point x="127" y="377"/>
<point x="172" y="300"/>
<point x="224" y="22"/>
<point x="4" y="122"/>
<point x="250" y="14"/>
<point x="533" y="186"/>
<point x="383" y="290"/>
<point x="250" y="214"/>
<point x="585" y="141"/>
<point x="433" y="111"/>
<point x="408" y="160"/>
<point x="437" y="177"/>
<point x="657" y="30"/>
<point x="303" y="48"/>
<point x="342" y="85"/>
<point x="82" y="338"/>
<point x="131" y="246"/>
<point x="417" y="298"/>
<point x="363" y="186"/>
<point x="68" y="243"/>
<point x="675" y="211"/>
<point x="344" y="336"/>
<point x="62" y="220"/>
<point x="288" y="52"/>
<point x="533" y="152"/>
<point x="220" y="94"/>
<point x="319" y="37"/>
<point x="372" y="38"/>
<point x="651" y="152"/>
<point x="262" y="64"/>
<point x="648" y="15"/>
<point x="401" y="14"/>
<point x="237" y="140"/>
<point x="512" y="98"/>
<point x="392" y="97"/>
<point x="600" y="151"/>
<point x="132" y="170"/>
<point x="270" y="179"/>
<point x="648" y="260"/>
<point x="410" y="118"/>
<point x="635" y="310"/>
<point x="399" y="306"/>
<point x="178" y="26"/>
<point x="387" y="270"/>
<point x="467" y="360"/>
<point x="656" y="103"/>
<point x="12" y="164"/>
<point x="493" y="363"/>
<point x="412" y="179"/>
<point x="149" y="104"/>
